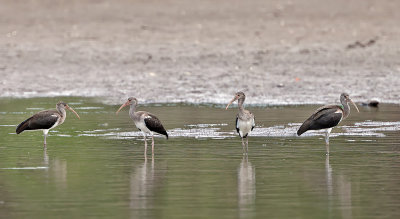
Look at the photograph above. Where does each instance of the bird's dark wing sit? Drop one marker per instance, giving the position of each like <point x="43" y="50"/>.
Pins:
<point x="41" y="120"/>
<point x="324" y="117"/>
<point x="322" y="110"/>
<point x="236" y="123"/>
<point x="154" y="124"/>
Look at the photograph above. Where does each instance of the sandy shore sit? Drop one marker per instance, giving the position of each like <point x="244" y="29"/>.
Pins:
<point x="278" y="52"/>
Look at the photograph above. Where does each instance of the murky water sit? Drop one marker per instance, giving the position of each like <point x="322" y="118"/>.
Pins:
<point x="94" y="167"/>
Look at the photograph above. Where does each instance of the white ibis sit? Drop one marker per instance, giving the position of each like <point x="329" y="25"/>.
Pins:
<point x="46" y="120"/>
<point x="146" y="122"/>
<point x="327" y="117"/>
<point x="244" y="120"/>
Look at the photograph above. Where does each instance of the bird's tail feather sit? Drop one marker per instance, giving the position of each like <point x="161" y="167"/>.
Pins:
<point x="22" y="126"/>
<point x="303" y="128"/>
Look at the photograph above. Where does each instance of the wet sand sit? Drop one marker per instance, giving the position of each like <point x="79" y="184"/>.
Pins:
<point x="278" y="52"/>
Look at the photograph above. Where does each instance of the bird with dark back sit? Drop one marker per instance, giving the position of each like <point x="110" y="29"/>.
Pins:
<point x="327" y="117"/>
<point x="46" y="120"/>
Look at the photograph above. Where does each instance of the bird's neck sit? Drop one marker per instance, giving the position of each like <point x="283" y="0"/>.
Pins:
<point x="240" y="105"/>
<point x="62" y="112"/>
<point x="132" y="109"/>
<point x="346" y="108"/>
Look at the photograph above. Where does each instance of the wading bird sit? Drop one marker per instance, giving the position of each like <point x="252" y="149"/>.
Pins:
<point x="244" y="120"/>
<point x="46" y="120"/>
<point x="145" y="122"/>
<point x="327" y="117"/>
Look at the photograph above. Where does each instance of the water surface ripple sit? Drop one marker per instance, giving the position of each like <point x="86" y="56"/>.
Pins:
<point x="94" y="167"/>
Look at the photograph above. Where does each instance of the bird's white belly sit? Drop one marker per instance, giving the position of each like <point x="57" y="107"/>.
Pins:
<point x="58" y="122"/>
<point x="142" y="126"/>
<point x="244" y="127"/>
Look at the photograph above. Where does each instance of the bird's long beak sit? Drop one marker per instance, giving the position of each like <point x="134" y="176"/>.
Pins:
<point x="233" y="100"/>
<point x="72" y="110"/>
<point x="123" y="105"/>
<point x="354" y="105"/>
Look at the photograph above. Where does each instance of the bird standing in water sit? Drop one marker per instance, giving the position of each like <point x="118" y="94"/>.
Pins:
<point x="244" y="120"/>
<point x="46" y="120"/>
<point x="146" y="122"/>
<point x="327" y="117"/>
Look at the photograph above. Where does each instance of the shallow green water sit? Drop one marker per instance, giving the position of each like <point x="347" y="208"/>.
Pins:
<point x="94" y="167"/>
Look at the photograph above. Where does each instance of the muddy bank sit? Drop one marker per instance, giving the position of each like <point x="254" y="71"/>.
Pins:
<point x="278" y="52"/>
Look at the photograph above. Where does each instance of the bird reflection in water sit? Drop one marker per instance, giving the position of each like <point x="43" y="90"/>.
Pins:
<point x="328" y="172"/>
<point x="143" y="182"/>
<point x="246" y="187"/>
<point x="343" y="190"/>
<point x="57" y="170"/>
